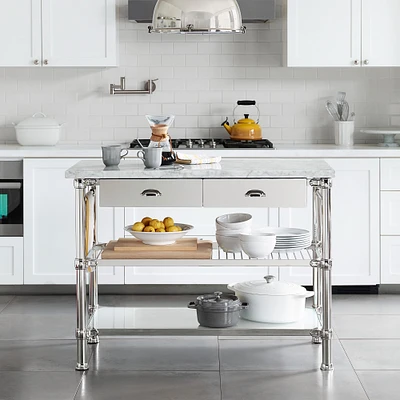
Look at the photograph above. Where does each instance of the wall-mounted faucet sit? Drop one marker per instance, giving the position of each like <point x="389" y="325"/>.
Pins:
<point x="149" y="87"/>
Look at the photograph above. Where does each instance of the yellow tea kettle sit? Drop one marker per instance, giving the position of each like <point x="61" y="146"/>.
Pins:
<point x="245" y="128"/>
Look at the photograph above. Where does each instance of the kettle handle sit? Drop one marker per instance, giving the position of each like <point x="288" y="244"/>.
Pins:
<point x="246" y="103"/>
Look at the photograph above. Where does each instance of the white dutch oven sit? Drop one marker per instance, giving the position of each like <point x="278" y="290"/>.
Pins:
<point x="271" y="300"/>
<point x="38" y="130"/>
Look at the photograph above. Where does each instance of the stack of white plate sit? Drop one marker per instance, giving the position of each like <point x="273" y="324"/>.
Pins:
<point x="290" y="239"/>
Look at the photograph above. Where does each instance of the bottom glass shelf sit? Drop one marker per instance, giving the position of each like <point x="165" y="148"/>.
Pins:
<point x="130" y="321"/>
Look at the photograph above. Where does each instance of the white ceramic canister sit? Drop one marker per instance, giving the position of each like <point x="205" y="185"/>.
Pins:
<point x="344" y="133"/>
<point x="271" y="301"/>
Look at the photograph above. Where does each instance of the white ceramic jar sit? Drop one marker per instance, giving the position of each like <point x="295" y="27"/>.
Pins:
<point x="38" y="130"/>
<point x="271" y="301"/>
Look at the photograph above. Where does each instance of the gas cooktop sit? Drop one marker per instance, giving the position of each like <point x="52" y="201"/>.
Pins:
<point x="211" y="144"/>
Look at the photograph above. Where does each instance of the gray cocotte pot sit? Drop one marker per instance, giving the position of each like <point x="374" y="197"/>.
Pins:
<point x="217" y="310"/>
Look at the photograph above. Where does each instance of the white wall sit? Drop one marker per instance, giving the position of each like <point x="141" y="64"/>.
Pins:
<point x="200" y="79"/>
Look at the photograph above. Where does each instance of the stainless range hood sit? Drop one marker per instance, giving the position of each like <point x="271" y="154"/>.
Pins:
<point x="252" y="11"/>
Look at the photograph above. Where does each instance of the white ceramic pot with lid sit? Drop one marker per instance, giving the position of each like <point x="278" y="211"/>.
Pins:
<point x="271" y="301"/>
<point x="38" y="130"/>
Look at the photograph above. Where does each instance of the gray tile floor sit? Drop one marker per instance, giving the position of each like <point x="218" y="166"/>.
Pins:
<point x="37" y="357"/>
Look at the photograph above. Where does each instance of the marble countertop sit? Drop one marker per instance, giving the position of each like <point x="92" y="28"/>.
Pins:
<point x="267" y="168"/>
<point x="281" y="151"/>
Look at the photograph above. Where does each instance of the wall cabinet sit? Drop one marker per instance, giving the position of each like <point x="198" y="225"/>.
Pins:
<point x="342" y="33"/>
<point x="49" y="225"/>
<point x="53" y="33"/>
<point x="11" y="260"/>
<point x="355" y="224"/>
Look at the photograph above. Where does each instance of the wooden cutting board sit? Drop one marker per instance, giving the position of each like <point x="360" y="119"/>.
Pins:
<point x="203" y="252"/>
<point x="132" y="244"/>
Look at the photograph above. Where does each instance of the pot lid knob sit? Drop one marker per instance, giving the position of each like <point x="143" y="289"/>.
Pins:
<point x="270" y="278"/>
<point x="218" y="296"/>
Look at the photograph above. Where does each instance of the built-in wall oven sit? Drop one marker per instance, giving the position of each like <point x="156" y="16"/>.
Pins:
<point x="11" y="198"/>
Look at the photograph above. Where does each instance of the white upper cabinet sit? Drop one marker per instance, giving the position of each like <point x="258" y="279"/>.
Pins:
<point x="20" y="33"/>
<point x="343" y="33"/>
<point x="79" y="33"/>
<point x="381" y="33"/>
<point x="52" y="33"/>
<point x="323" y="33"/>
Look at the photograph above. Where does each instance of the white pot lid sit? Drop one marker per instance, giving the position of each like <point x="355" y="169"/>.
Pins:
<point x="269" y="286"/>
<point x="38" y="120"/>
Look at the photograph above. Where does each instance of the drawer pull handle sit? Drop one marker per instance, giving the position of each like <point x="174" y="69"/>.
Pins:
<point x="255" y="193"/>
<point x="151" y="193"/>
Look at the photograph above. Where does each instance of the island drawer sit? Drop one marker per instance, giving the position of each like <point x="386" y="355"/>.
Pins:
<point x="255" y="193"/>
<point x="151" y="193"/>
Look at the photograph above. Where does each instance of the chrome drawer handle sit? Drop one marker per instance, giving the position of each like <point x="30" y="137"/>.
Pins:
<point x="151" y="193"/>
<point x="255" y="193"/>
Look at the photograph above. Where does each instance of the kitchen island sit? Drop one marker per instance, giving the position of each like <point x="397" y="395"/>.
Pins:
<point x="252" y="183"/>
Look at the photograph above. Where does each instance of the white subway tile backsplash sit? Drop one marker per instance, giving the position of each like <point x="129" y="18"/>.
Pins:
<point x="200" y="80"/>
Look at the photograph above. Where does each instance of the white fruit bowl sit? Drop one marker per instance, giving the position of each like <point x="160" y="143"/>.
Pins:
<point x="160" y="238"/>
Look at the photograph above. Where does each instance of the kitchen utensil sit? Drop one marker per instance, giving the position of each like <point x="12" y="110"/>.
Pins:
<point x="245" y="128"/>
<point x="151" y="156"/>
<point x="258" y="245"/>
<point x="271" y="301"/>
<point x="131" y="244"/>
<point x="389" y="135"/>
<point x="234" y="221"/>
<point x="159" y="125"/>
<point x="345" y="111"/>
<point x="344" y="133"/>
<point x="203" y="252"/>
<point x="111" y="155"/>
<point x="339" y="103"/>
<point x="229" y="243"/>
<point x="351" y="117"/>
<point x="332" y="111"/>
<point x="160" y="238"/>
<point x="38" y="130"/>
<point x="217" y="310"/>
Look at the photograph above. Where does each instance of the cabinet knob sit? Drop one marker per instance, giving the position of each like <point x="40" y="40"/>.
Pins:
<point x="366" y="62"/>
<point x="356" y="62"/>
<point x="36" y="62"/>
<point x="46" y="62"/>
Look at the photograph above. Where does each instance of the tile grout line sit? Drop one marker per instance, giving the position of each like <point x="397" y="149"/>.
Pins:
<point x="354" y="370"/>
<point x="7" y="304"/>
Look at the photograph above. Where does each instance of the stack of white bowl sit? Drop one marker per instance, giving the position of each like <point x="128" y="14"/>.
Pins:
<point x="229" y="227"/>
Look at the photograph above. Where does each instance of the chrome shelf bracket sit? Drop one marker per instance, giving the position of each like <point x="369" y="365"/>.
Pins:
<point x="149" y="87"/>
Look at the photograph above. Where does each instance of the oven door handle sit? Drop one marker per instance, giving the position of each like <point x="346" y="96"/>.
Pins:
<point x="10" y="185"/>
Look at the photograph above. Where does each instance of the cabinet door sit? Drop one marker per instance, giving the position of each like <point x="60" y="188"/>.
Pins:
<point x="11" y="264"/>
<point x="390" y="260"/>
<point x="49" y="225"/>
<point x="20" y="35"/>
<point x="355" y="225"/>
<point x="390" y="213"/>
<point x="79" y="33"/>
<point x="380" y="33"/>
<point x="323" y="33"/>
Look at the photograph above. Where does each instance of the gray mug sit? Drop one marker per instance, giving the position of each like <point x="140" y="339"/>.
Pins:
<point x="151" y="156"/>
<point x="112" y="154"/>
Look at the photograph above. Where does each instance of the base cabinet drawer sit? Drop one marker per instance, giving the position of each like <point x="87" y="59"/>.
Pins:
<point x="390" y="260"/>
<point x="151" y="193"/>
<point x="390" y="173"/>
<point x="390" y="213"/>
<point x="11" y="261"/>
<point x="255" y="193"/>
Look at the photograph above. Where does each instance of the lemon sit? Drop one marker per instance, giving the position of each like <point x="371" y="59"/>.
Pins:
<point x="172" y="228"/>
<point x="149" y="229"/>
<point x="146" y="220"/>
<point x="138" y="227"/>
<point x="154" y="223"/>
<point x="179" y="228"/>
<point x="168" y="221"/>
<point x="161" y="225"/>
<point x="160" y="230"/>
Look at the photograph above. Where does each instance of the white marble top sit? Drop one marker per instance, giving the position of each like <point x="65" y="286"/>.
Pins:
<point x="230" y="168"/>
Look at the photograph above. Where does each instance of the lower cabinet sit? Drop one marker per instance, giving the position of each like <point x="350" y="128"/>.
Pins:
<point x="390" y="260"/>
<point x="355" y="225"/>
<point x="11" y="261"/>
<point x="49" y="225"/>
